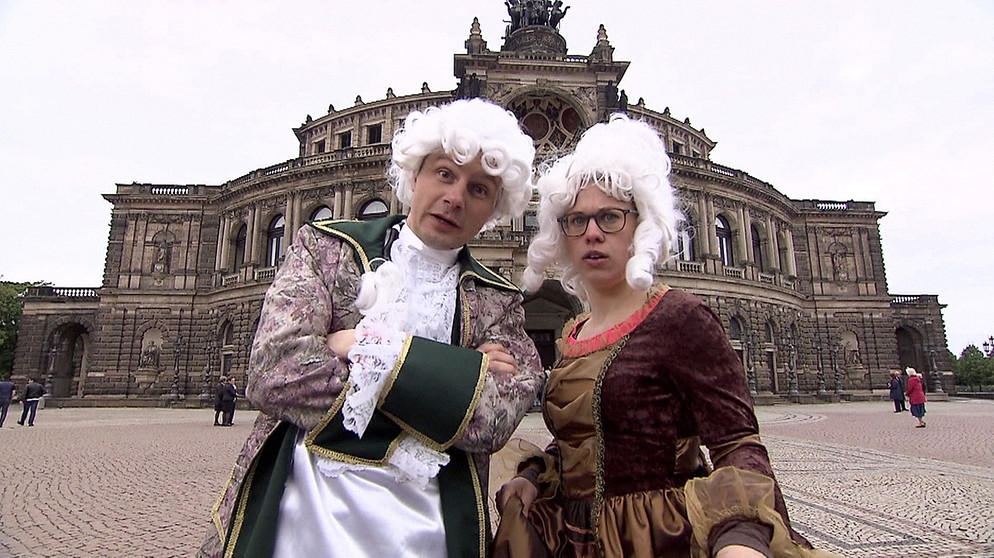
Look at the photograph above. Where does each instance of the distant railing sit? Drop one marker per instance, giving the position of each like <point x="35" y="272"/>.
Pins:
<point x="381" y="150"/>
<point x="832" y="206"/>
<point x="62" y="292"/>
<point x="228" y="280"/>
<point x="914" y="300"/>
<point x="170" y="190"/>
<point x="766" y="278"/>
<point x="715" y="168"/>
<point x="265" y="274"/>
<point x="690" y="267"/>
<point x="733" y="272"/>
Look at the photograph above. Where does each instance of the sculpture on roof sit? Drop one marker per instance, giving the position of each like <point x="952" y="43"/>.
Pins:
<point x="534" y="12"/>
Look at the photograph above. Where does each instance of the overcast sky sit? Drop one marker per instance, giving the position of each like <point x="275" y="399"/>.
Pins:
<point x="890" y="102"/>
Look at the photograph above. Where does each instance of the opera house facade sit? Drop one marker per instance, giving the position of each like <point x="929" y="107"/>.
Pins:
<point x="800" y="284"/>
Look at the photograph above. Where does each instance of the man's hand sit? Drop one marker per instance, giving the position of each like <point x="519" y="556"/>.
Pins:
<point x="501" y="361"/>
<point x="341" y="342"/>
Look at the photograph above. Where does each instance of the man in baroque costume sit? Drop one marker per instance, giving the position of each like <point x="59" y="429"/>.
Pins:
<point x="388" y="363"/>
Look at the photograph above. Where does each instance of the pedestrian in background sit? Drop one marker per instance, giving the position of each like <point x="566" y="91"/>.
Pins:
<point x="218" y="387"/>
<point x="896" y="385"/>
<point x="7" y="392"/>
<point x="32" y="394"/>
<point x="229" y="393"/>
<point x="916" y="396"/>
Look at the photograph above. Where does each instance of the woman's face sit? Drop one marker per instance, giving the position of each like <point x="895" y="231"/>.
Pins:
<point x="598" y="257"/>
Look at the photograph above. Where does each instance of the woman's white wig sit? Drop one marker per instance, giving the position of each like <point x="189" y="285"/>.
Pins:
<point x="911" y="371"/>
<point x="463" y="130"/>
<point x="627" y="161"/>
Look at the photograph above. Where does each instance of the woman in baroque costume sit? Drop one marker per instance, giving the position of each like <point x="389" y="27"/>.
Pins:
<point x="645" y="378"/>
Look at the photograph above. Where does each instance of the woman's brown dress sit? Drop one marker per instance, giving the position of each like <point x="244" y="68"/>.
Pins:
<point x="625" y="475"/>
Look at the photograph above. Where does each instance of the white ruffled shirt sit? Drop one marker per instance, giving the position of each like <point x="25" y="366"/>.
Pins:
<point x="321" y="511"/>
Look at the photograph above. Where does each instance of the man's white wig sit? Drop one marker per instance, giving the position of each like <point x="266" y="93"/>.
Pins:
<point x="463" y="130"/>
<point x="627" y="161"/>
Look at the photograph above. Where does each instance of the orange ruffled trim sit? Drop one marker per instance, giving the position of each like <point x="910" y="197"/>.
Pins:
<point x="576" y="348"/>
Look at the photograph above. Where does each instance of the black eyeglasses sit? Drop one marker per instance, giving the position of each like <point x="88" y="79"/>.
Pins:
<point x="610" y="220"/>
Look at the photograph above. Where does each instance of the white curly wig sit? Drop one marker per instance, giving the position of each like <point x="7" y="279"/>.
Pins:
<point x="627" y="161"/>
<point x="464" y="129"/>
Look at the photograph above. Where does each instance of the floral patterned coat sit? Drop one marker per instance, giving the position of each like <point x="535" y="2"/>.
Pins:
<point x="294" y="377"/>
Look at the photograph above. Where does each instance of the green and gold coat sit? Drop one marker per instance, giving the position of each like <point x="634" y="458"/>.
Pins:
<point x="440" y="393"/>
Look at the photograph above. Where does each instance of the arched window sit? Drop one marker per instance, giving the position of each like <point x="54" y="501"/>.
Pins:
<point x="274" y="241"/>
<point x="227" y="334"/>
<point x="734" y="328"/>
<point x="322" y="213"/>
<point x="685" y="242"/>
<point x="240" y="245"/>
<point x="724" y="233"/>
<point x="783" y="256"/>
<point x="227" y="338"/>
<point x="757" y="248"/>
<point x="373" y="209"/>
<point x="768" y="333"/>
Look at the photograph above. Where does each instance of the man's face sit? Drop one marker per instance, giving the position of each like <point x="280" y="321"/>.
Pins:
<point x="451" y="203"/>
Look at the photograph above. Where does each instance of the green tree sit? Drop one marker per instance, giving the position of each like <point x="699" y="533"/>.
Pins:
<point x="973" y="369"/>
<point x="10" y="315"/>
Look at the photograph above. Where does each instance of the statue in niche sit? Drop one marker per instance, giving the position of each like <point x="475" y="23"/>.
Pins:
<point x="150" y="356"/>
<point x="469" y="87"/>
<point x="160" y="264"/>
<point x="840" y="268"/>
<point x="611" y="95"/>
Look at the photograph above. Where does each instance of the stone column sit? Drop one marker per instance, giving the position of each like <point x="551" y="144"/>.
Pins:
<point x="220" y="258"/>
<point x="774" y="243"/>
<point x="747" y="231"/>
<point x="289" y="220"/>
<point x="347" y="210"/>
<point x="337" y="209"/>
<point x="255" y="233"/>
<point x="744" y="247"/>
<point x="789" y="239"/>
<point x="704" y="222"/>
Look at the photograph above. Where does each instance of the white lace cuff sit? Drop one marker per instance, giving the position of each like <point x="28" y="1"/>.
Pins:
<point x="411" y="462"/>
<point x="375" y="353"/>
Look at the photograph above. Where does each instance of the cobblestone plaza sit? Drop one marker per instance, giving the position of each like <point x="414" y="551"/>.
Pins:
<point x="859" y="479"/>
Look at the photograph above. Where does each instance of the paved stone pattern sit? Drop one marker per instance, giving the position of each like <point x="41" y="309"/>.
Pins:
<point x="859" y="479"/>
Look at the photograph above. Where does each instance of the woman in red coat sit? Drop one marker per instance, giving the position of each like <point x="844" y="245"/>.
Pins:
<point x="916" y="396"/>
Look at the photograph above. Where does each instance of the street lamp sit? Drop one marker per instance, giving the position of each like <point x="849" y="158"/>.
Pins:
<point x="790" y="353"/>
<point x="52" y="355"/>
<point x="835" y="367"/>
<point x="750" y="370"/>
<point x="174" y="388"/>
<point x="205" y="394"/>
<point x="821" y="368"/>
<point x="936" y="381"/>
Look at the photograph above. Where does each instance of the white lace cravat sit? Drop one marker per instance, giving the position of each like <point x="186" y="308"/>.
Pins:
<point x="415" y="294"/>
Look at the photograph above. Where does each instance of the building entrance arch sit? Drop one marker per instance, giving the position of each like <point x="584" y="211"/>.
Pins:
<point x="67" y="355"/>
<point x="911" y="352"/>
<point x="545" y="313"/>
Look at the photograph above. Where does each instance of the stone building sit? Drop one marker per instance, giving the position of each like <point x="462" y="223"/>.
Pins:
<point x="800" y="284"/>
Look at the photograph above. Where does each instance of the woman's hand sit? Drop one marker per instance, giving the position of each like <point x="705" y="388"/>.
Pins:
<point x="520" y="488"/>
<point x="737" y="551"/>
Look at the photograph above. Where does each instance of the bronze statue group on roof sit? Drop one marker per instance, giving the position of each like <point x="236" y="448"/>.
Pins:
<point x="535" y="12"/>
